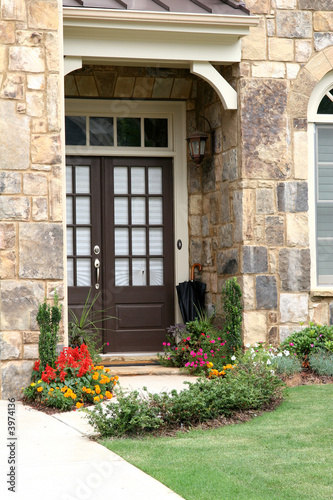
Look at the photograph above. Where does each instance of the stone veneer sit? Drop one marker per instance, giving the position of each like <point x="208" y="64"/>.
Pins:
<point x="31" y="230"/>
<point x="248" y="202"/>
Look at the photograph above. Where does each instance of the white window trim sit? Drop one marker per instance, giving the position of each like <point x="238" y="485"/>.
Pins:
<point x="314" y="119"/>
<point x="176" y="112"/>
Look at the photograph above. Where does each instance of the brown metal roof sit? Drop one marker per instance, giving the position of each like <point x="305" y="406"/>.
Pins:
<point x="223" y="7"/>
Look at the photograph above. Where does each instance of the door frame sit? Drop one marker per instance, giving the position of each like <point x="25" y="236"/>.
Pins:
<point x="175" y="111"/>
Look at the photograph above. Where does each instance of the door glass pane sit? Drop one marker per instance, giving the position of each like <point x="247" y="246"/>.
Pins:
<point x="155" y="180"/>
<point x="69" y="180"/>
<point x="155" y="211"/>
<point x="83" y="241"/>
<point x="156" y="132"/>
<point x="69" y="210"/>
<point x="129" y="132"/>
<point x="156" y="272"/>
<point x="70" y="248"/>
<point x="120" y="180"/>
<point x="155" y="241"/>
<point x="138" y="181"/>
<point x="82" y="179"/>
<point x="83" y="210"/>
<point x="139" y="241"/>
<point x="101" y="131"/>
<point x="138" y="211"/>
<point x="83" y="272"/>
<point x="75" y="130"/>
<point x="121" y="272"/>
<point x="121" y="211"/>
<point x="139" y="272"/>
<point x="70" y="272"/>
<point x="121" y="241"/>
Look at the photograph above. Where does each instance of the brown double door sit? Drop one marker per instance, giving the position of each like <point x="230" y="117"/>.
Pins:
<point x="120" y="244"/>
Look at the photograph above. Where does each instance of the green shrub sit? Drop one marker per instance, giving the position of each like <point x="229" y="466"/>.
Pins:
<point x="250" y="386"/>
<point x="322" y="363"/>
<point x="232" y="306"/>
<point x="48" y="319"/>
<point x="311" y="339"/>
<point x="286" y="365"/>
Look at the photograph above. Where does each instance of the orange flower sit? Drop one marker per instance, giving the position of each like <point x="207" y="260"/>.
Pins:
<point x="108" y="394"/>
<point x="39" y="389"/>
<point x="96" y="398"/>
<point x="97" y="389"/>
<point x="79" y="405"/>
<point x="95" y="376"/>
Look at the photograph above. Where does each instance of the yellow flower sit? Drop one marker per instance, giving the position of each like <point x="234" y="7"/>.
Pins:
<point x="79" y="405"/>
<point x="96" y="398"/>
<point x="32" y="384"/>
<point x="107" y="369"/>
<point x="88" y="391"/>
<point x="64" y="389"/>
<point x="116" y="377"/>
<point x="39" y="382"/>
<point x="84" y="389"/>
<point x="57" y="387"/>
<point x="222" y="372"/>
<point x="95" y="376"/>
<point x="108" y="394"/>
<point x="210" y="365"/>
<point x="97" y="389"/>
<point x="40" y="389"/>
<point x="51" y="389"/>
<point x="73" y="396"/>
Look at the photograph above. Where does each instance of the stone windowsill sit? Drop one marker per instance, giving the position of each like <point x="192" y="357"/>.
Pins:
<point x="321" y="293"/>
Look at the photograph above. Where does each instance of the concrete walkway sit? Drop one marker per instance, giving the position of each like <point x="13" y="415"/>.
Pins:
<point x="55" y="459"/>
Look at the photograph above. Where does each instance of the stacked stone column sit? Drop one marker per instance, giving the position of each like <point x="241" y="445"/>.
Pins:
<point x="31" y="214"/>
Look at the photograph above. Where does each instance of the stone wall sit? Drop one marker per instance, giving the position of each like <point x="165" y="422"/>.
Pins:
<point x="282" y="61"/>
<point x="31" y="231"/>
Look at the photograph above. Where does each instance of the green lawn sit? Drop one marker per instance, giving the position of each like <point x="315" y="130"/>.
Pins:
<point x="286" y="454"/>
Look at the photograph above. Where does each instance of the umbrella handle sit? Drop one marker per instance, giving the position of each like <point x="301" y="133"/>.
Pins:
<point x="199" y="266"/>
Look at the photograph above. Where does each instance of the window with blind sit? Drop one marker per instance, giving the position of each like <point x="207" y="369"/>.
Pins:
<point x="324" y="202"/>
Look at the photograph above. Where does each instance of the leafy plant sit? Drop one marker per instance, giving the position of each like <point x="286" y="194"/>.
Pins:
<point x="311" y="339"/>
<point x="74" y="381"/>
<point x="193" y="345"/>
<point x="232" y="306"/>
<point x="86" y="328"/>
<point x="322" y="363"/>
<point x="287" y="365"/>
<point x="48" y="319"/>
<point x="249" y="386"/>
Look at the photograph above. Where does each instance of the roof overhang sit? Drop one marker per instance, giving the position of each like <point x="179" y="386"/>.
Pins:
<point x="192" y="41"/>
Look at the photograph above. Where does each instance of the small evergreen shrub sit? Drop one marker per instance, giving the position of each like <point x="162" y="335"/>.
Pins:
<point x="232" y="306"/>
<point x="48" y="319"/>
<point x="322" y="363"/>
<point x="311" y="339"/>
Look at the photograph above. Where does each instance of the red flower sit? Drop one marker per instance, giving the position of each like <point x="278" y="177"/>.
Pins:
<point x="36" y="365"/>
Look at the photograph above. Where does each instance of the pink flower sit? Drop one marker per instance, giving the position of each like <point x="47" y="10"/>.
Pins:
<point x="107" y="343"/>
<point x="218" y="338"/>
<point x="212" y="350"/>
<point x="320" y="335"/>
<point x="164" y="343"/>
<point x="205" y="356"/>
<point x="188" y="338"/>
<point x="212" y="341"/>
<point x="168" y="343"/>
<point x="207" y="336"/>
<point x="312" y="345"/>
<point x="187" y="364"/>
<point x="291" y="344"/>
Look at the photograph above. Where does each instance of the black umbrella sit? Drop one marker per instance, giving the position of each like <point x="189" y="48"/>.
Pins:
<point x="191" y="297"/>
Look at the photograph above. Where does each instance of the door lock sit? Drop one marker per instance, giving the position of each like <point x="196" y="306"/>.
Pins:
<point x="96" y="250"/>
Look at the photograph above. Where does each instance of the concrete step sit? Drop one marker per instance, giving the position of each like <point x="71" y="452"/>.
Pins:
<point x="130" y="358"/>
<point x="131" y="371"/>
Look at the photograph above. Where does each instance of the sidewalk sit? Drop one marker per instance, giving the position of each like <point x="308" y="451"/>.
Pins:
<point x="55" y="460"/>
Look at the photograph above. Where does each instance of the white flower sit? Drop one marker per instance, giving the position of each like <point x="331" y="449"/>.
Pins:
<point x="269" y="362"/>
<point x="272" y="372"/>
<point x="286" y="352"/>
<point x="247" y="345"/>
<point x="256" y="345"/>
<point x="233" y="358"/>
<point x="279" y="354"/>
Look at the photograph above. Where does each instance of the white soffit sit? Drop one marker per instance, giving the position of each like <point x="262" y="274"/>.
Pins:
<point x="152" y="38"/>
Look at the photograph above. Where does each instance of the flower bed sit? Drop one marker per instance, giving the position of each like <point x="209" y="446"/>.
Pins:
<point x="74" y="382"/>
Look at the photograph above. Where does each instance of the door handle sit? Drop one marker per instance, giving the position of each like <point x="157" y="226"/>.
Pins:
<point x="97" y="266"/>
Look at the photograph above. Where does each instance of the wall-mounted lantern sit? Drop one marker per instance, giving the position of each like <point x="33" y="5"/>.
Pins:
<point x="197" y="144"/>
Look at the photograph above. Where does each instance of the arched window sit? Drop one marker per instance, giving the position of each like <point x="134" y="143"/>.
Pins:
<point x="321" y="105"/>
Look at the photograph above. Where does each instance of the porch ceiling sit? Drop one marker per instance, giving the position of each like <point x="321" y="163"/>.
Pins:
<point x="224" y="7"/>
<point x="187" y="33"/>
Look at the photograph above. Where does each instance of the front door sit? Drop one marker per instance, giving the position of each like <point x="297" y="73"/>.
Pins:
<point x="120" y="243"/>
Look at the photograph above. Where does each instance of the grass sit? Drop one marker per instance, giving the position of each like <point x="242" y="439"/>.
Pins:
<point x="286" y="454"/>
